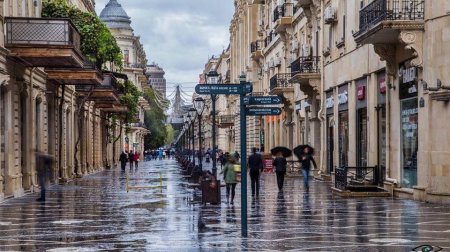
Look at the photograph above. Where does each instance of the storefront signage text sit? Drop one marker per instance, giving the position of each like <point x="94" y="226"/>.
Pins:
<point x="343" y="98"/>
<point x="361" y="93"/>
<point x="330" y="102"/>
<point x="409" y="74"/>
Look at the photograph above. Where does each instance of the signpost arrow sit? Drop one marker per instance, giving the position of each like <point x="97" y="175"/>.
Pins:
<point x="262" y="100"/>
<point x="262" y="111"/>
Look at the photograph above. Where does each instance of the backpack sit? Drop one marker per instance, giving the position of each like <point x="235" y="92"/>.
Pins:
<point x="237" y="170"/>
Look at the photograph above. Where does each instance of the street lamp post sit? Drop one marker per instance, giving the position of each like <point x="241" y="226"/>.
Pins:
<point x="199" y="104"/>
<point x="186" y="137"/>
<point x="212" y="78"/>
<point x="191" y="116"/>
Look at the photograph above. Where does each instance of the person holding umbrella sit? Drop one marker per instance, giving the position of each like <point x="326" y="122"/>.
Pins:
<point x="280" y="164"/>
<point x="305" y="155"/>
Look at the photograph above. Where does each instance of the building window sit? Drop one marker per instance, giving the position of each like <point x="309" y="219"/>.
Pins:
<point x="126" y="57"/>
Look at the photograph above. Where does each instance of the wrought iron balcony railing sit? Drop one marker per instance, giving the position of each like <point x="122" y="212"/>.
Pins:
<point x="284" y="10"/>
<point x="381" y="10"/>
<point x="41" y="32"/>
<point x="280" y="80"/>
<point x="256" y="46"/>
<point x="306" y="65"/>
<point x="269" y="38"/>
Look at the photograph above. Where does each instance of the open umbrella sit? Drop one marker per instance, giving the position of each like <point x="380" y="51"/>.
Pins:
<point x="298" y="151"/>
<point x="285" y="151"/>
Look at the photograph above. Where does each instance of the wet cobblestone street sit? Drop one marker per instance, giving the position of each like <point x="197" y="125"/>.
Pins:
<point x="97" y="213"/>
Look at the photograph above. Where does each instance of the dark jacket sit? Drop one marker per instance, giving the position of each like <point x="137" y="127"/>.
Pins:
<point x="123" y="157"/>
<point x="306" y="161"/>
<point x="280" y="164"/>
<point x="255" y="162"/>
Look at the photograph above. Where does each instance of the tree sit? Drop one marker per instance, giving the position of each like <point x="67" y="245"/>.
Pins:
<point x="170" y="134"/>
<point x="97" y="43"/>
<point x="154" y="120"/>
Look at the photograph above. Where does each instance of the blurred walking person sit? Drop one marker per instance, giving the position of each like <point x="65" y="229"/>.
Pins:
<point x="280" y="165"/>
<point x="131" y="158"/>
<point x="136" y="158"/>
<point x="255" y="164"/>
<point x="306" y="160"/>
<point x="43" y="166"/>
<point x="231" y="178"/>
<point x="123" y="160"/>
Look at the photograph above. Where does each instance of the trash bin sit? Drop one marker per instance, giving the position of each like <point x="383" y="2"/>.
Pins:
<point x="211" y="191"/>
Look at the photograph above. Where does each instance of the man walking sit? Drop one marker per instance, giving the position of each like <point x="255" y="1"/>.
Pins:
<point x="43" y="166"/>
<point x="123" y="160"/>
<point x="306" y="160"/>
<point x="131" y="159"/>
<point x="255" y="164"/>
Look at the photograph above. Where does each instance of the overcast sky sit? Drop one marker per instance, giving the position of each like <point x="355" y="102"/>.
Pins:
<point x="179" y="35"/>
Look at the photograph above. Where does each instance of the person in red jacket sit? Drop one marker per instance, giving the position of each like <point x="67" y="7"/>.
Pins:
<point x="136" y="158"/>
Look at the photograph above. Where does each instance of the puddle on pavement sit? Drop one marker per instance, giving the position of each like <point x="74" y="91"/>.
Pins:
<point x="151" y="206"/>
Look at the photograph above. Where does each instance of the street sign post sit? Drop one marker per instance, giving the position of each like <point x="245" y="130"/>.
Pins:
<point x="225" y="89"/>
<point x="262" y="100"/>
<point x="262" y="111"/>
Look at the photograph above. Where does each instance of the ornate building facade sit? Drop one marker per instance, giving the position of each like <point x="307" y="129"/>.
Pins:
<point x="365" y="90"/>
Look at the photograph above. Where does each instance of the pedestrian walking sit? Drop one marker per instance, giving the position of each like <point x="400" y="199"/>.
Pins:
<point x="123" y="158"/>
<point x="231" y="178"/>
<point x="280" y="165"/>
<point x="306" y="160"/>
<point x="43" y="166"/>
<point x="136" y="158"/>
<point x="255" y="164"/>
<point x="131" y="159"/>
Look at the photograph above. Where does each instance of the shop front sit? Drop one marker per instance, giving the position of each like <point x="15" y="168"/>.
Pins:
<point x="409" y="124"/>
<point x="330" y="130"/>
<point x="343" y="125"/>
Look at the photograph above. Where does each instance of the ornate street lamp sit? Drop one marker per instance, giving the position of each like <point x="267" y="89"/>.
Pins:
<point x="212" y="78"/>
<point x="191" y="116"/>
<point x="186" y="136"/>
<point x="199" y="104"/>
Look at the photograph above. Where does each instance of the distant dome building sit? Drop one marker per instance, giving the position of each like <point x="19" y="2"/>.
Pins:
<point x="156" y="78"/>
<point x="115" y="16"/>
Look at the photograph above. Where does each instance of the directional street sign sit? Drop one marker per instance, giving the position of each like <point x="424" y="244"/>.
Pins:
<point x="262" y="100"/>
<point x="225" y="89"/>
<point x="262" y="111"/>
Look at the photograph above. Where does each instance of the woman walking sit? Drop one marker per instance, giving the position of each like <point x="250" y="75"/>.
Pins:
<point x="280" y="165"/>
<point x="306" y="160"/>
<point x="230" y="178"/>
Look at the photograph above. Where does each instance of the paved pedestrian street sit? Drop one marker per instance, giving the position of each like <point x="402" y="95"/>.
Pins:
<point x="97" y="213"/>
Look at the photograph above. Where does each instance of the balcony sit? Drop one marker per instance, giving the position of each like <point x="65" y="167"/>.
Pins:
<point x="280" y="85"/>
<point x="105" y="95"/>
<point x="226" y="121"/>
<point x="87" y="75"/>
<point x="382" y="21"/>
<point x="256" y="48"/>
<point x="283" y="17"/>
<point x="41" y="42"/>
<point x="306" y="72"/>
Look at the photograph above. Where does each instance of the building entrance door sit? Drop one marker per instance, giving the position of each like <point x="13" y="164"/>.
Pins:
<point x="361" y="141"/>
<point x="330" y="144"/>
<point x="409" y="119"/>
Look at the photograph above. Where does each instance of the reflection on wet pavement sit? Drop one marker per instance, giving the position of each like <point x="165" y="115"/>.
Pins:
<point x="96" y="213"/>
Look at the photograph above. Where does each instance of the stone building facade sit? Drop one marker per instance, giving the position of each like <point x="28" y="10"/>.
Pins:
<point x="135" y="66"/>
<point x="363" y="89"/>
<point x="42" y="108"/>
<point x="155" y="75"/>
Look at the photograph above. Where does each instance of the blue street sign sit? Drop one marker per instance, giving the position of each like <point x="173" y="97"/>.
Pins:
<point x="248" y="88"/>
<point x="262" y="100"/>
<point x="225" y="89"/>
<point x="262" y="111"/>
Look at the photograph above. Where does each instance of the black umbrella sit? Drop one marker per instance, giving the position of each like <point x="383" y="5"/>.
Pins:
<point x="285" y="151"/>
<point x="299" y="150"/>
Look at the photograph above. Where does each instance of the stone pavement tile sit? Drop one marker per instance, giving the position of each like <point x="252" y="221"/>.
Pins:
<point x="96" y="213"/>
